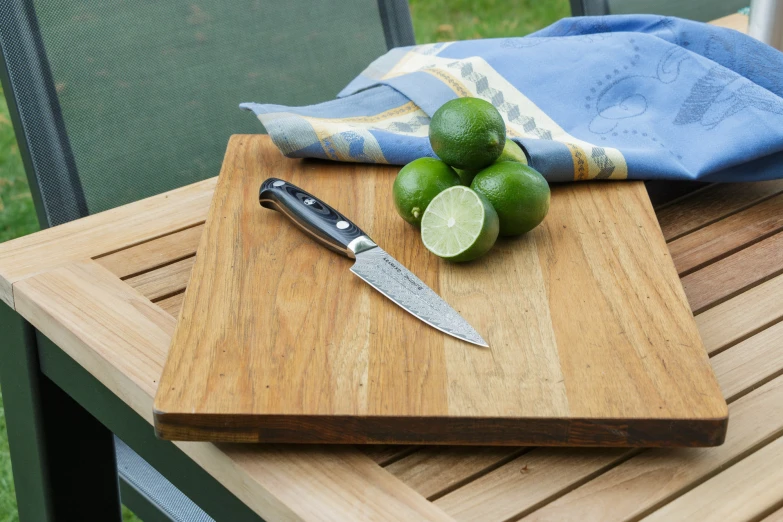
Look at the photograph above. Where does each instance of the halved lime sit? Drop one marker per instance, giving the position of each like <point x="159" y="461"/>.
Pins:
<point x="459" y="225"/>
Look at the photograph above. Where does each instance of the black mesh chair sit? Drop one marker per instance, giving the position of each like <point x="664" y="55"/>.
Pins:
<point x="116" y="100"/>
<point x="700" y="10"/>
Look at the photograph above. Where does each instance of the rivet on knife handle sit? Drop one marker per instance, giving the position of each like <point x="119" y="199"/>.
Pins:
<point x="316" y="218"/>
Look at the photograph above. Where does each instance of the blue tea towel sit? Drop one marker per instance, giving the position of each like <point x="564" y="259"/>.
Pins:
<point x="612" y="97"/>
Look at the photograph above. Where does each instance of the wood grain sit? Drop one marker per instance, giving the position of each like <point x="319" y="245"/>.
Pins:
<point x="385" y="454"/>
<point x="644" y="482"/>
<point x="434" y="470"/>
<point x="776" y="516"/>
<point x="163" y="281"/>
<point x="727" y="236"/>
<point x="592" y="341"/>
<point x="734" y="274"/>
<point x="712" y="204"/>
<point x="153" y="254"/>
<point x="742" y="316"/>
<point x="750" y="363"/>
<point x="740" y="370"/>
<point x="102" y="233"/>
<point x="526" y="482"/>
<point x="747" y="490"/>
<point x="121" y="338"/>
<point x="104" y="325"/>
<point x="629" y="291"/>
<point x="172" y="304"/>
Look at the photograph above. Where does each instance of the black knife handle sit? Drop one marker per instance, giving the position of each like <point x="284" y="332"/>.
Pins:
<point x="313" y="216"/>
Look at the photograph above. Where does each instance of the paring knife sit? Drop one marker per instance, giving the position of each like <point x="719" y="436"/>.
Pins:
<point x="373" y="264"/>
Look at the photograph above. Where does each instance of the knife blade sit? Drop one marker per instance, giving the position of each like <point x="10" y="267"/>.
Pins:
<point x="373" y="265"/>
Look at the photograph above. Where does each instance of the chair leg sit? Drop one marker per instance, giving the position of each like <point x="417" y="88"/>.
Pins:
<point x="62" y="457"/>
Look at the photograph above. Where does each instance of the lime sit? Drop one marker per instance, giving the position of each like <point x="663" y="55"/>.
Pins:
<point x="467" y="133"/>
<point x="459" y="225"/>
<point x="519" y="194"/>
<point x="417" y="183"/>
<point x="466" y="176"/>
<point x="511" y="152"/>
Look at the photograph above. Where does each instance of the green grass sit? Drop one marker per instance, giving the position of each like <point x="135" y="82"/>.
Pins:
<point x="433" y="20"/>
<point x="7" y="491"/>
<point x="17" y="214"/>
<point x="446" y="20"/>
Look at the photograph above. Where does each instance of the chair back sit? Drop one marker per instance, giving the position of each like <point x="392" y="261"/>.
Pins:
<point x="117" y="100"/>
<point x="700" y="10"/>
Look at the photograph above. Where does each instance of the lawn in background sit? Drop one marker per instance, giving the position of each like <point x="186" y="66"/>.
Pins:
<point x="433" y="21"/>
<point x="17" y="214"/>
<point x="447" y="20"/>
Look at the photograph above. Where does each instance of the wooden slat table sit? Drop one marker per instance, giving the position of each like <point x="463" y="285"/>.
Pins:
<point x="107" y="290"/>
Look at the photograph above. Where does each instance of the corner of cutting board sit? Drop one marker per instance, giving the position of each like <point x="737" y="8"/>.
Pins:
<point x="720" y="425"/>
<point x="162" y="429"/>
<point x="234" y="138"/>
<point x="721" y="428"/>
<point x="713" y="432"/>
<point x="238" y="140"/>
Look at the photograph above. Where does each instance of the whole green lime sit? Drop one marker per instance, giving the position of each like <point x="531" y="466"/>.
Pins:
<point x="418" y="183"/>
<point x="519" y="194"/>
<point x="511" y="152"/>
<point x="467" y="133"/>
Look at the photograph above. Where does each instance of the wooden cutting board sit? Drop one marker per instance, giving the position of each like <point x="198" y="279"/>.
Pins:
<point x="592" y="342"/>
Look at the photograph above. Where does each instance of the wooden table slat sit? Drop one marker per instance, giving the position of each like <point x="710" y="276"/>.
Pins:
<point x="742" y="316"/>
<point x="385" y="454"/>
<point x="435" y="470"/>
<point x="734" y="274"/>
<point x="776" y="516"/>
<point x="640" y="484"/>
<point x="745" y="491"/>
<point x="121" y="338"/>
<point x="152" y="254"/>
<point x="527" y="482"/>
<point x="712" y="204"/>
<point x="102" y="233"/>
<point x="727" y="236"/>
<point x="760" y="359"/>
<point x="165" y="281"/>
<point x="122" y="342"/>
<point x="172" y="304"/>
